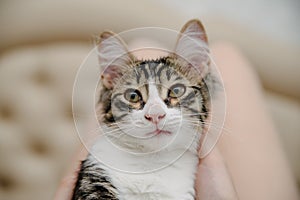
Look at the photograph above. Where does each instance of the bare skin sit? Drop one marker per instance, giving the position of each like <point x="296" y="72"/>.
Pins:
<point x="251" y="147"/>
<point x="248" y="161"/>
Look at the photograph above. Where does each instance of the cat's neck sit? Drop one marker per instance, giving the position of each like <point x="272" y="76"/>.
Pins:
<point x="149" y="177"/>
<point x="106" y="152"/>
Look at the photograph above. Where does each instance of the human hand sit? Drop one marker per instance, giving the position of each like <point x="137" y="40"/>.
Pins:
<point x="66" y="187"/>
<point x="213" y="180"/>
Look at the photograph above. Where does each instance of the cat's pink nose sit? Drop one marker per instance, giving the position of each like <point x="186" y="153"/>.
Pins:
<point x="155" y="113"/>
<point x="154" y="118"/>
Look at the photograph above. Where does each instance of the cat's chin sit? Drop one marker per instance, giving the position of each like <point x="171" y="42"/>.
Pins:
<point x="159" y="132"/>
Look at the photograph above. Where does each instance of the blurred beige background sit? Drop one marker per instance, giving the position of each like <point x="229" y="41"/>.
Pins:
<point x="42" y="44"/>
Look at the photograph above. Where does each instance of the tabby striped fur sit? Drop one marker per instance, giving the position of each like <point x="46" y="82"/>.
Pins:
<point x="137" y="98"/>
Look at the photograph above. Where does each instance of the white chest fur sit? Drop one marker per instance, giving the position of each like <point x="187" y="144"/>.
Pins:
<point x="175" y="181"/>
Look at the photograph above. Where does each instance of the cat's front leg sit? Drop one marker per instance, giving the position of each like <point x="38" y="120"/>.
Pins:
<point x="93" y="183"/>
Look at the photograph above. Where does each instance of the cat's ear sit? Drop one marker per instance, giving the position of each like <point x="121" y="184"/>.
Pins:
<point x="114" y="58"/>
<point x="192" y="46"/>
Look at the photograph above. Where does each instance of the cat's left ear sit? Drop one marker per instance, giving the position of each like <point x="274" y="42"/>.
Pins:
<point x="114" y="58"/>
<point x="192" y="46"/>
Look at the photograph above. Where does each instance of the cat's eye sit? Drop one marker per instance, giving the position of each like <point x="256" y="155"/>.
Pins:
<point x="132" y="95"/>
<point x="177" y="91"/>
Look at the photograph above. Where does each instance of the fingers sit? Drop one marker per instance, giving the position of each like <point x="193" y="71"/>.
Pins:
<point x="213" y="179"/>
<point x="251" y="148"/>
<point x="67" y="184"/>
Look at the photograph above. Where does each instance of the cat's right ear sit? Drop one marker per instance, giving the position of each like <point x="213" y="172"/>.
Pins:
<point x="114" y="58"/>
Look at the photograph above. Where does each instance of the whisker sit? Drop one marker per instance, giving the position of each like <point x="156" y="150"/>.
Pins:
<point x="196" y="114"/>
<point x="117" y="129"/>
<point x="119" y="135"/>
<point x="105" y="132"/>
<point x="94" y="130"/>
<point x="213" y="125"/>
<point x="110" y="132"/>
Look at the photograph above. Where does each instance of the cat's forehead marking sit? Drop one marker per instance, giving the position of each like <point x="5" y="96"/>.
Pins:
<point x="144" y="70"/>
<point x="153" y="93"/>
<point x="161" y="73"/>
<point x="152" y="78"/>
<point x="148" y="69"/>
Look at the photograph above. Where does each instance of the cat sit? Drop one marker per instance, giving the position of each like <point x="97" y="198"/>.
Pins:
<point x="153" y="113"/>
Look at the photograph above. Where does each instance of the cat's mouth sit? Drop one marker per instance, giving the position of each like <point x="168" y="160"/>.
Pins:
<point x="159" y="132"/>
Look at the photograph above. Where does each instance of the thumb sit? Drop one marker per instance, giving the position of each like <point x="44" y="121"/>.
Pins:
<point x="213" y="180"/>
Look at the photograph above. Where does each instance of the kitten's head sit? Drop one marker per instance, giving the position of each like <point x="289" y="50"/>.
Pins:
<point x="148" y="105"/>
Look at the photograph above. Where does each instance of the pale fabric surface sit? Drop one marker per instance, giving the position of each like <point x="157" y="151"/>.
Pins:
<point x="38" y="68"/>
<point x="37" y="135"/>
